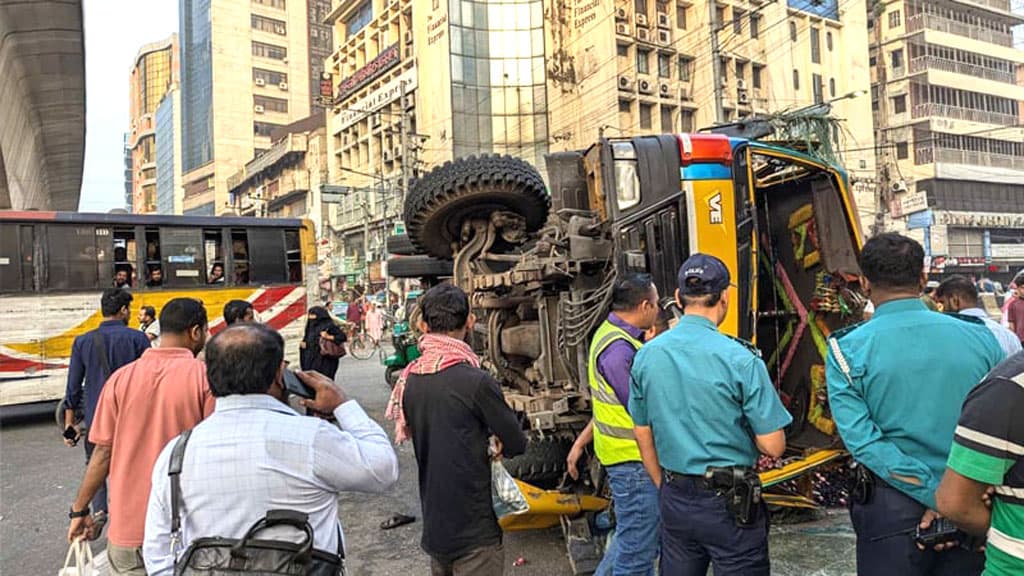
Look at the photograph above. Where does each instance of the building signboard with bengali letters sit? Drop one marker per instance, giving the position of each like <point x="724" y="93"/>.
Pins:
<point x="379" y="65"/>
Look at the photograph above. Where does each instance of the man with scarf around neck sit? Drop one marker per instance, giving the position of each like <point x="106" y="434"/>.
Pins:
<point x="450" y="407"/>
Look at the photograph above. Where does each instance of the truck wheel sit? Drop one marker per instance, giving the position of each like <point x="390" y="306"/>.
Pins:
<point x="418" y="267"/>
<point x="400" y="244"/>
<point x="472" y="187"/>
<point x="543" y="463"/>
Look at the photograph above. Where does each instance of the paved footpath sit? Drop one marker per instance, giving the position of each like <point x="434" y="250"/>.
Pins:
<point x="39" y="477"/>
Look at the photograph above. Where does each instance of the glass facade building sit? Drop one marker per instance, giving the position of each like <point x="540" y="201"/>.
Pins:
<point x="499" y="94"/>
<point x="196" y="84"/>
<point x="165" y="156"/>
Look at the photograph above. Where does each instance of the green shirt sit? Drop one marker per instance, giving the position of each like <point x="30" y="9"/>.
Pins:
<point x="908" y="370"/>
<point x="705" y="396"/>
<point x="989" y="447"/>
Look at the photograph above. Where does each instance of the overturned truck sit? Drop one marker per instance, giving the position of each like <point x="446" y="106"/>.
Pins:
<point x="539" y="262"/>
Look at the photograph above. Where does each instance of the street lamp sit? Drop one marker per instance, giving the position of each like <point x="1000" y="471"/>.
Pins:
<point x="848" y="96"/>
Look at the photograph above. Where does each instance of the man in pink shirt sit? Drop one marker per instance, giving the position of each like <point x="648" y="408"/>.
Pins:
<point x="143" y="406"/>
<point x="1015" y="311"/>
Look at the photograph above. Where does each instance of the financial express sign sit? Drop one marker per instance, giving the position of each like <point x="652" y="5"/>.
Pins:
<point x="382" y="63"/>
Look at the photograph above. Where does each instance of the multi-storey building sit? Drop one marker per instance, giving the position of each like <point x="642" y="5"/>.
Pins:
<point x="153" y="76"/>
<point x="169" y="192"/>
<point x="247" y="68"/>
<point x="947" y="96"/>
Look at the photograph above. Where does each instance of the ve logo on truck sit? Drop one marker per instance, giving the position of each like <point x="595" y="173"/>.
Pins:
<point x="715" y="204"/>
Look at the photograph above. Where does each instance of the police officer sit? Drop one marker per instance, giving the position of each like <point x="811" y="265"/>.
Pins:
<point x="634" y="548"/>
<point x="702" y="400"/>
<point x="895" y="387"/>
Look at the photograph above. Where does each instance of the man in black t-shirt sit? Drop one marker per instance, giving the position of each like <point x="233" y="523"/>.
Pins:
<point x="452" y="407"/>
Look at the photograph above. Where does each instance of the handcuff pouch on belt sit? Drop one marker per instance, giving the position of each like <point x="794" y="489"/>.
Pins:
<point x="740" y="486"/>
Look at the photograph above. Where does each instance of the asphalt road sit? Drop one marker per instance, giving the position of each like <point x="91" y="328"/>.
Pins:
<point x="39" y="477"/>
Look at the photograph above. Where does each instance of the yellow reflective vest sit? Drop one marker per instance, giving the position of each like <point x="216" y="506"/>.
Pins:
<point x="614" y="441"/>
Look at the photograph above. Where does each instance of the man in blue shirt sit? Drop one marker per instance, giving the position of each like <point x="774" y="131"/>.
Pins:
<point x="96" y="355"/>
<point x="895" y="387"/>
<point x="958" y="294"/>
<point x="701" y="399"/>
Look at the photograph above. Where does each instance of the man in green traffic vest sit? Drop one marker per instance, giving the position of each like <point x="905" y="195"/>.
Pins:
<point x="635" y="547"/>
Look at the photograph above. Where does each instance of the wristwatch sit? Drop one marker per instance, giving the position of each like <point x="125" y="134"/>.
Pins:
<point x="80" y="514"/>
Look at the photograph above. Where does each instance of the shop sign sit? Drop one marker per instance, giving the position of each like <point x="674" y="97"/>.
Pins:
<point x="379" y="65"/>
<point x="912" y="202"/>
<point x="939" y="240"/>
<point x="1008" y="251"/>
<point x="980" y="219"/>
<point x="940" y="263"/>
<point x="377" y="99"/>
<point x="920" y="220"/>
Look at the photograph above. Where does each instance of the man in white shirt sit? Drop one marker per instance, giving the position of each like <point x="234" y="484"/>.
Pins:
<point x="958" y="294"/>
<point x="255" y="454"/>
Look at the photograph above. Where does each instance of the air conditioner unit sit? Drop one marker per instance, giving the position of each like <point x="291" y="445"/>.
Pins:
<point x="625" y="82"/>
<point x="408" y="37"/>
<point x="283" y="85"/>
<point x="741" y="84"/>
<point x="684" y="93"/>
<point x="643" y="35"/>
<point x="397" y="153"/>
<point x="387" y="156"/>
<point x="641" y="20"/>
<point x="622" y="29"/>
<point x="260" y="82"/>
<point x="664" y="89"/>
<point x="258" y="109"/>
<point x="663" y="20"/>
<point x="620" y="14"/>
<point x="646" y="87"/>
<point x="742" y="97"/>
<point x="664" y="37"/>
<point x="899" y="186"/>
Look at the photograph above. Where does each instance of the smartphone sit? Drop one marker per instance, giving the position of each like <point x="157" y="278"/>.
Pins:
<point x="293" y="385"/>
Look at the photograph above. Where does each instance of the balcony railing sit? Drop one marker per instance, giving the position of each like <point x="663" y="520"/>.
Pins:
<point x="1000" y="5"/>
<point x="940" y="24"/>
<point x="930" y="155"/>
<point x="967" y="114"/>
<point x="923" y="63"/>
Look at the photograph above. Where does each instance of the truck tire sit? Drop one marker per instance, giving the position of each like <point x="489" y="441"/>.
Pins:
<point x="400" y="244"/>
<point x="543" y="463"/>
<point x="472" y="187"/>
<point x="419" y="266"/>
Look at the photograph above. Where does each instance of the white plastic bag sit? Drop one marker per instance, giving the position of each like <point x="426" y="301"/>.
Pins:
<point x="506" y="497"/>
<point x="79" y="561"/>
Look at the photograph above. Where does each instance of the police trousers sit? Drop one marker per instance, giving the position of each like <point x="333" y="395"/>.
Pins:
<point x="698" y="530"/>
<point x="881" y="551"/>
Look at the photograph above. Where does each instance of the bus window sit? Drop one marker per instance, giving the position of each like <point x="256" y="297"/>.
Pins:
<point x="154" y="273"/>
<point x="267" y="256"/>
<point x="10" y="259"/>
<point x="240" y="250"/>
<point x="76" y="254"/>
<point x="182" y="250"/>
<point x="213" y="249"/>
<point x="293" y="255"/>
<point x="627" y="183"/>
<point x="125" y="254"/>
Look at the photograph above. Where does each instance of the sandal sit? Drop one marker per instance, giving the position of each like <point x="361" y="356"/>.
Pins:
<point x="396" y="521"/>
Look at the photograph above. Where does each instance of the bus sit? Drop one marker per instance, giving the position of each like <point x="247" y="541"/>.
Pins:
<point x="54" y="267"/>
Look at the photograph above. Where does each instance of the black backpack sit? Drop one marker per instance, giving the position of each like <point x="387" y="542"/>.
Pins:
<point x="216" y="556"/>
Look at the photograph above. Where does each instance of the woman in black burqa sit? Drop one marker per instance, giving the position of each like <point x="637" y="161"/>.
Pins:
<point x="319" y="324"/>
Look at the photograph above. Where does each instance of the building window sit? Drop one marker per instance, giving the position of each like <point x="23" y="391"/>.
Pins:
<point x="645" y="116"/>
<point x="681" y="16"/>
<point x="796" y="79"/>
<point x="263" y="128"/>
<point x="897" y="58"/>
<point x="686" y="120"/>
<point x="902" y="151"/>
<point x="664" y="66"/>
<point x="362" y="16"/>
<point x="828" y="41"/>
<point x="815" y="45"/>
<point x="792" y="31"/>
<point x="684" y="69"/>
<point x="831" y="87"/>
<point x="279" y="4"/>
<point x="642" y="61"/>
<point x="622" y="50"/>
<point x="899" y="104"/>
<point x="816" y="88"/>
<point x="271" y="104"/>
<point x="261" y="50"/>
<point x="755" y="26"/>
<point x="737" y="21"/>
<point x="741" y="70"/>
<point x="873" y="61"/>
<point x="271" y="25"/>
<point x="624" y="106"/>
<point x="666" y="119"/>
<point x="640" y="6"/>
<point x="966" y="243"/>
<point x="268" y="77"/>
<point x="894" y="19"/>
<point x="755" y="76"/>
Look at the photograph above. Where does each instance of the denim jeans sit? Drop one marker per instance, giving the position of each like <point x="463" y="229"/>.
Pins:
<point x="99" y="501"/>
<point x="635" y="545"/>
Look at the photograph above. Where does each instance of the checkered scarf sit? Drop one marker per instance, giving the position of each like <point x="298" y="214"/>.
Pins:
<point x="438" y="353"/>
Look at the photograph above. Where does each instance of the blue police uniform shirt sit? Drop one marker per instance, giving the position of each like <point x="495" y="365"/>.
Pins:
<point x="704" y="395"/>
<point x="910" y="370"/>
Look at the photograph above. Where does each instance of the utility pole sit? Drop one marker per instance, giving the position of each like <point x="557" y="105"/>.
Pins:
<point x="882" y="192"/>
<point x="716" y="61"/>
<point x="406" y="153"/>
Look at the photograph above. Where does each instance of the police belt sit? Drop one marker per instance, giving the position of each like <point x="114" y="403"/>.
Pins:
<point x="670" y="475"/>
